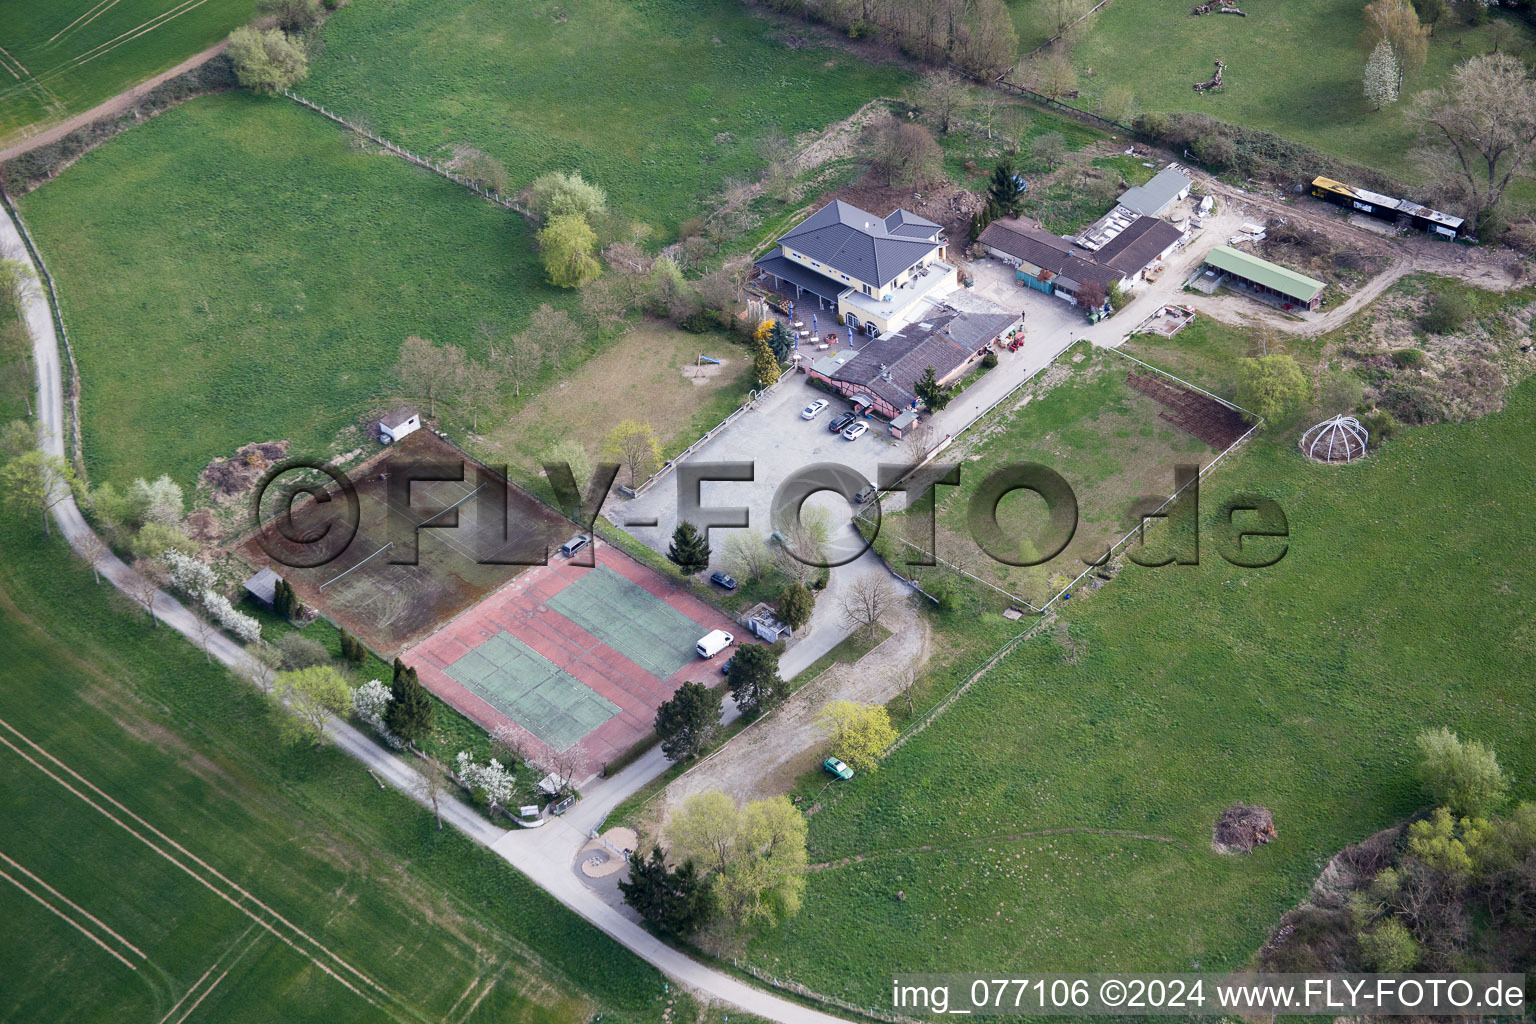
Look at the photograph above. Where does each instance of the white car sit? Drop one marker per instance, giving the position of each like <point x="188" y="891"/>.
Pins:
<point x="855" y="431"/>
<point x="813" y="410"/>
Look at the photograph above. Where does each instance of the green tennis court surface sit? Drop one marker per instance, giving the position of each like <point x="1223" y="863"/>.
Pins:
<point x="529" y="689"/>
<point x="631" y="620"/>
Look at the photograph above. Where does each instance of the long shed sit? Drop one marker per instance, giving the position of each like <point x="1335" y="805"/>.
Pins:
<point x="1265" y="277"/>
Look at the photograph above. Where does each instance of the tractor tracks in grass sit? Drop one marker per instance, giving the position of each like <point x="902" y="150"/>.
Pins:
<point x="1011" y="837"/>
<point x="231" y="892"/>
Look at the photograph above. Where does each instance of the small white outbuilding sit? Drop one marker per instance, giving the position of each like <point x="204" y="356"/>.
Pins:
<point x="397" y="423"/>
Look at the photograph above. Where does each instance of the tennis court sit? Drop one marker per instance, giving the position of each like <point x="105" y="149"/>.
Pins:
<point x="572" y="657"/>
<point x="629" y="618"/>
<point x="458" y="528"/>
<point x="529" y="689"/>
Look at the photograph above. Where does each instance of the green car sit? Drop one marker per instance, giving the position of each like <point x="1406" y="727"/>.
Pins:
<point x="837" y="768"/>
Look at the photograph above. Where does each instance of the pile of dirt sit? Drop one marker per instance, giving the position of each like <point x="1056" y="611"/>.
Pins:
<point x="1241" y="827"/>
<point x="228" y="479"/>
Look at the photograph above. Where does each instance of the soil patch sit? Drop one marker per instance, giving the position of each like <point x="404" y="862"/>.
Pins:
<point x="231" y="478"/>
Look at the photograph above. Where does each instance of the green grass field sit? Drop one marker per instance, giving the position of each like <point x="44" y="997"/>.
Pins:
<point x="1106" y="439"/>
<point x="658" y="103"/>
<point x="63" y="57"/>
<point x="1293" y="69"/>
<point x="1059" y="815"/>
<point x="235" y="270"/>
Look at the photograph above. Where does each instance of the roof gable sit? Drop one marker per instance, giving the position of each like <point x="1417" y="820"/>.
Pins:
<point x="859" y="244"/>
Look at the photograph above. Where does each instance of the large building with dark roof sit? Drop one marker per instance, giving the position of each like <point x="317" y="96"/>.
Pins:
<point x="1057" y="266"/>
<point x="880" y="374"/>
<point x="874" y="271"/>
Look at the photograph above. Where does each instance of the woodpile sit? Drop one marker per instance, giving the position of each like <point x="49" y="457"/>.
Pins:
<point x="1214" y="82"/>
<point x="1241" y="827"/>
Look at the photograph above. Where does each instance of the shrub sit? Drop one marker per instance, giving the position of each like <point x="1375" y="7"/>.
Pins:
<point x="1408" y="357"/>
<point x="989" y="360"/>
<point x="1389" y="948"/>
<point x="296" y="651"/>
<point x="1447" y="313"/>
<point x="1462" y="776"/>
<point x="700" y="321"/>
<point x="266" y="62"/>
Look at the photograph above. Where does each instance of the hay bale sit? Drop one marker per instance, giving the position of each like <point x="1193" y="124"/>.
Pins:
<point x="1241" y="827"/>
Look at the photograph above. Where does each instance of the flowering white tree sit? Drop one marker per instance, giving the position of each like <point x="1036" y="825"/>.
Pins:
<point x="157" y="502"/>
<point x="491" y="779"/>
<point x="1382" y="75"/>
<point x="188" y="575"/>
<point x="245" y="628"/>
<point x="371" y="701"/>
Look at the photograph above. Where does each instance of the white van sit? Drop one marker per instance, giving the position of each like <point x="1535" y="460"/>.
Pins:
<point x="715" y="642"/>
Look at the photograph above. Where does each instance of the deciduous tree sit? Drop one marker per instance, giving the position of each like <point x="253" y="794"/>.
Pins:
<point x="747" y="555"/>
<point x="1481" y="128"/>
<point x="1462" y="776"/>
<point x="858" y="733"/>
<point x="266" y="61"/>
<point x="312" y="696"/>
<point x="796" y="605"/>
<point x="36" y="481"/>
<point x="558" y="194"/>
<point x="569" y="244"/>
<point x="1396" y="23"/>
<point x="865" y="602"/>
<point x="1269" y="386"/>
<point x="634" y="445"/>
<point x="521" y="361"/>
<point x="555" y="331"/>
<point x="905" y="153"/>
<point x="942" y="96"/>
<point x="687" y="721"/>
<point x="1382" y="75"/>
<point x="429" y="372"/>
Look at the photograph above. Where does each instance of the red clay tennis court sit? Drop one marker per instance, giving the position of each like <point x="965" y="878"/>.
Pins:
<point x="567" y="655"/>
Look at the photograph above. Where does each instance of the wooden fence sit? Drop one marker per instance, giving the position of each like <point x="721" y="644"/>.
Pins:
<point x="490" y="195"/>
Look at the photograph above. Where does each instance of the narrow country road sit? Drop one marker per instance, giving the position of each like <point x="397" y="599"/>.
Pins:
<point x="545" y="854"/>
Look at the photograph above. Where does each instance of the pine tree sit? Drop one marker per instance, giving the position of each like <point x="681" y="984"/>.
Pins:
<point x="690" y="548"/>
<point x="282" y="599"/>
<point x="410" y="711"/>
<point x="780" y="342"/>
<point x="934" y="395"/>
<point x="1005" y="192"/>
<point x="677" y="901"/>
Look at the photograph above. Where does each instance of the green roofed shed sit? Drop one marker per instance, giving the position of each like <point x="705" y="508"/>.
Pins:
<point x="1266" y="277"/>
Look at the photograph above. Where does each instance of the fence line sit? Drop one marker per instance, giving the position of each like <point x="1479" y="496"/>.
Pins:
<point x="73" y="389"/>
<point x="1085" y="17"/>
<point x="489" y="195"/>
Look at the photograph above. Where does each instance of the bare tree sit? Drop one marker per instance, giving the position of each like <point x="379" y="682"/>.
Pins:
<point x="93" y="552"/>
<point x="555" y="330"/>
<point x="429" y="372"/>
<point x="521" y="361"/>
<point x="942" y="96"/>
<point x="903" y="152"/>
<point x="431" y="786"/>
<point x="562" y="766"/>
<point x="865" y="602"/>
<point x="603" y="305"/>
<point x="144" y="587"/>
<point x="915" y="441"/>
<point x="748" y="555"/>
<point x="479" y="388"/>
<point x="268" y="662"/>
<point x="1481" y="128"/>
<point x="206" y="631"/>
<point x="507" y="745"/>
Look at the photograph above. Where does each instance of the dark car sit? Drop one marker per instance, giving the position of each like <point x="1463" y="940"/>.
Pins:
<point x="725" y="669"/>
<point x="721" y="579"/>
<point x="837" y="425"/>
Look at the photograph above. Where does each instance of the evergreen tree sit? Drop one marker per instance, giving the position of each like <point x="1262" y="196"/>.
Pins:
<point x="764" y="364"/>
<point x="780" y="342"/>
<point x="678" y="902"/>
<point x="409" y="715"/>
<point x="687" y="721"/>
<point x="690" y="548"/>
<point x="352" y="649"/>
<point x="1005" y="192"/>
<point x="754" y="679"/>
<point x="934" y="396"/>
<point x="795" y="605"/>
<point x="282" y="599"/>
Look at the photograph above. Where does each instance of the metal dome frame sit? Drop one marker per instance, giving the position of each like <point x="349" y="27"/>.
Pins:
<point x="1340" y="439"/>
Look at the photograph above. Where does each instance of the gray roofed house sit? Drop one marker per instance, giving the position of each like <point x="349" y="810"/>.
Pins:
<point x="1151" y="199"/>
<point x="1145" y="240"/>
<point x="850" y="241"/>
<point x="1040" y="250"/>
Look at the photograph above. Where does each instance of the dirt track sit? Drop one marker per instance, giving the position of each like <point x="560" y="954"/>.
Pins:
<point x="116" y="105"/>
<point x="766" y="758"/>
